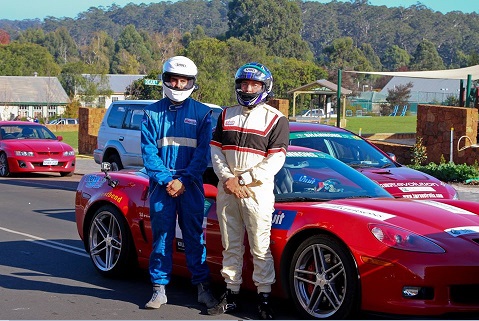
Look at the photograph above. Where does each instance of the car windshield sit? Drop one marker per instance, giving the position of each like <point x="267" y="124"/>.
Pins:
<point x="316" y="176"/>
<point x="26" y="132"/>
<point x="347" y="147"/>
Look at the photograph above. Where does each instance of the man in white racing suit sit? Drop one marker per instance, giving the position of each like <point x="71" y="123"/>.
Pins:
<point x="248" y="148"/>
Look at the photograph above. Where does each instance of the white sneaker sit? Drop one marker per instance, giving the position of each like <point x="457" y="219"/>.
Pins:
<point x="157" y="299"/>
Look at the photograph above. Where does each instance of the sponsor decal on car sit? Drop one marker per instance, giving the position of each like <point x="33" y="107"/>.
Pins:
<point x="409" y="185"/>
<point x="95" y="181"/>
<point x="463" y="230"/>
<point x="446" y="207"/>
<point x="424" y="195"/>
<point x="113" y="196"/>
<point x="382" y="216"/>
<point x="295" y="135"/>
<point x="282" y="220"/>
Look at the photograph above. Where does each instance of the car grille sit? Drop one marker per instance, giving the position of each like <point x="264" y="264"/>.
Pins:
<point x="49" y="153"/>
<point x="465" y="294"/>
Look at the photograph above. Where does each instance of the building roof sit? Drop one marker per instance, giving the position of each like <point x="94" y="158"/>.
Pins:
<point x="320" y="86"/>
<point x="439" y="86"/>
<point x="31" y="90"/>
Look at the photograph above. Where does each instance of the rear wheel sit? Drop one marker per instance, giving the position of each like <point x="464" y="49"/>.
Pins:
<point x="4" y="171"/>
<point x="323" y="278"/>
<point x="115" y="162"/>
<point x="110" y="243"/>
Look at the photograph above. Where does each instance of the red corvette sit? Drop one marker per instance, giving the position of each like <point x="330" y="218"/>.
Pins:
<point x="341" y="243"/>
<point x="401" y="181"/>
<point x="27" y="147"/>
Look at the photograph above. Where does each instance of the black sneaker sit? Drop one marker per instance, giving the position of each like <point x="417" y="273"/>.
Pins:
<point x="228" y="303"/>
<point x="265" y="310"/>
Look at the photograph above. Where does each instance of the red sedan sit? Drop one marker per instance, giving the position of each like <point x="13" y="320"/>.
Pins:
<point x="341" y="243"/>
<point x="27" y="147"/>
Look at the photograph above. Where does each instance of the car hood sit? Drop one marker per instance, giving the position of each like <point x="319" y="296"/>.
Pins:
<point x="403" y="182"/>
<point x="434" y="218"/>
<point x="40" y="145"/>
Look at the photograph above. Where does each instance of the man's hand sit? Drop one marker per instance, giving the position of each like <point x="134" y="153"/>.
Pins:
<point x="231" y="186"/>
<point x="175" y="188"/>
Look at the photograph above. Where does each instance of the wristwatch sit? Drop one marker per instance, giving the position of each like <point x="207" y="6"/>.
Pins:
<point x="241" y="181"/>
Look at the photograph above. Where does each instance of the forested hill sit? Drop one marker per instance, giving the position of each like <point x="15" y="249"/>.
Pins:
<point x="383" y="31"/>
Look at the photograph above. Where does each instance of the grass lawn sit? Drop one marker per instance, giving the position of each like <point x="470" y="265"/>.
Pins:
<point x="367" y="125"/>
<point x="383" y="124"/>
<point x="71" y="138"/>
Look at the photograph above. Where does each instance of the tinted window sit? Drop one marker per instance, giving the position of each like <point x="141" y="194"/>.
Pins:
<point x="134" y="117"/>
<point x="116" y="116"/>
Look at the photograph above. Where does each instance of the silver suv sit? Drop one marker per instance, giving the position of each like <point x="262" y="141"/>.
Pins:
<point x="119" y="135"/>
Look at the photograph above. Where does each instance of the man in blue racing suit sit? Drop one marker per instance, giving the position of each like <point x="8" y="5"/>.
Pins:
<point x="175" y="137"/>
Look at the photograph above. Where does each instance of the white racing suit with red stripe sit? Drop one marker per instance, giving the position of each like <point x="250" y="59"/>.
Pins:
<point x="251" y="143"/>
<point x="175" y="144"/>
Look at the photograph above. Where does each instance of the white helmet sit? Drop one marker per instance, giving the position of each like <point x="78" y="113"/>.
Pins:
<point x="179" y="66"/>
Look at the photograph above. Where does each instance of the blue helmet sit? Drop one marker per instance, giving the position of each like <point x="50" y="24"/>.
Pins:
<point x="258" y="72"/>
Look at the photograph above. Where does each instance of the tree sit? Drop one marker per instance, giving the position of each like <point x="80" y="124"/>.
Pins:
<point x="131" y="54"/>
<point x="426" y="57"/>
<point x="4" y="37"/>
<point x="272" y="24"/>
<point x="138" y="90"/>
<point x="343" y="54"/>
<point x="26" y="59"/>
<point x="395" y="58"/>
<point x="399" y="95"/>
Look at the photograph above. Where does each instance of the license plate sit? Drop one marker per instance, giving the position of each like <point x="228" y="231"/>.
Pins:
<point x="50" y="161"/>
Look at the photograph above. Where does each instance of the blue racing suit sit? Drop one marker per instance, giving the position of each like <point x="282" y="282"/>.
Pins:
<point x="175" y="145"/>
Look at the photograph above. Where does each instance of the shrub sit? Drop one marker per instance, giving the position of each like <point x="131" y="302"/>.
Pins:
<point x="450" y="172"/>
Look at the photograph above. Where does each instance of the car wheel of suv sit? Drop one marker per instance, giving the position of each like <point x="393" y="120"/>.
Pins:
<point x="115" y="162"/>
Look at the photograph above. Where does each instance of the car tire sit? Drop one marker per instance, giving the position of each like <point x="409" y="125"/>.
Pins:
<point x="110" y="244"/>
<point x="4" y="171"/>
<point x="323" y="279"/>
<point x="66" y="174"/>
<point x="115" y="162"/>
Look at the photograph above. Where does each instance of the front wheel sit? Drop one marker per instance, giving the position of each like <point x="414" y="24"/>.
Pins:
<point x="109" y="242"/>
<point x="324" y="281"/>
<point x="4" y="171"/>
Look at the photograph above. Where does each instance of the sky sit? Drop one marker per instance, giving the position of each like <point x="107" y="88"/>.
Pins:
<point x="33" y="9"/>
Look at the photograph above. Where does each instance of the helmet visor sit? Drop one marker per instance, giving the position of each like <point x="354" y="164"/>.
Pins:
<point x="178" y="82"/>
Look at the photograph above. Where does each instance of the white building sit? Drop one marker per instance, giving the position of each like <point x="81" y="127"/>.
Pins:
<point x="30" y="96"/>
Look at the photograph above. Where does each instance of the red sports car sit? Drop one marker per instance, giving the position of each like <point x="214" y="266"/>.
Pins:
<point x="341" y="243"/>
<point x="27" y="147"/>
<point x="399" y="180"/>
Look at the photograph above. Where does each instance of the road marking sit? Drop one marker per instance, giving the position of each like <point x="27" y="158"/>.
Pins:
<point x="52" y="244"/>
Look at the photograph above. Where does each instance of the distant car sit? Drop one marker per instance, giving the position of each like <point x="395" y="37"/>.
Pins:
<point x="64" y="121"/>
<point x="401" y="181"/>
<point x="27" y="147"/>
<point x="119" y="134"/>
<point x="341" y="243"/>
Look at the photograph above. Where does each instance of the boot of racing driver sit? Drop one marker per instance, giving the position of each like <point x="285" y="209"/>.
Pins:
<point x="265" y="310"/>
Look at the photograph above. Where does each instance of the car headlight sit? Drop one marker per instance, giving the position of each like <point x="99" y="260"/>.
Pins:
<point x="403" y="239"/>
<point x="23" y="153"/>
<point x="69" y="153"/>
